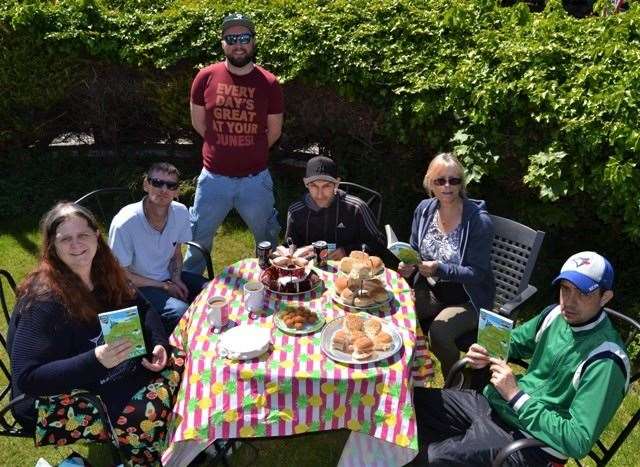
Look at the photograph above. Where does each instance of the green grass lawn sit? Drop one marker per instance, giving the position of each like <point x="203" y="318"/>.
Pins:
<point x="19" y="252"/>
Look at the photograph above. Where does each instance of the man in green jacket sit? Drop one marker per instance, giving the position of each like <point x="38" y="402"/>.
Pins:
<point x="578" y="375"/>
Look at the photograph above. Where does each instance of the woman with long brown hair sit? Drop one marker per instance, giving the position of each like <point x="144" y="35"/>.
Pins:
<point x="56" y="344"/>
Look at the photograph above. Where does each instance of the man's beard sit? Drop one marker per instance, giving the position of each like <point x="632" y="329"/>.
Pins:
<point x="239" y="61"/>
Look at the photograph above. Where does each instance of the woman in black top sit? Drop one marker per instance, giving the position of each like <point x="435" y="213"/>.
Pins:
<point x="56" y="344"/>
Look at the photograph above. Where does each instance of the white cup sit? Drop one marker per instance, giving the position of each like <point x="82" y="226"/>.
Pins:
<point x="253" y="292"/>
<point x="218" y="311"/>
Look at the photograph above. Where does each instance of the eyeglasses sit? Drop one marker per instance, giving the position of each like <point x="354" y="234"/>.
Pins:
<point x="243" y="38"/>
<point x="442" y="181"/>
<point x="157" y="183"/>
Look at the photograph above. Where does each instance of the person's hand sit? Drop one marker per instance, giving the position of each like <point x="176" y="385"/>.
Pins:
<point x="502" y="379"/>
<point x="477" y="357"/>
<point x="176" y="289"/>
<point x="110" y="355"/>
<point x="184" y="290"/>
<point x="158" y="359"/>
<point x="428" y="268"/>
<point x="405" y="270"/>
<point x="337" y="254"/>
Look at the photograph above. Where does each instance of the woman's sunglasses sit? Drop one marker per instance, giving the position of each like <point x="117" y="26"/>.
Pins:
<point x="243" y="38"/>
<point x="157" y="183"/>
<point x="442" y="181"/>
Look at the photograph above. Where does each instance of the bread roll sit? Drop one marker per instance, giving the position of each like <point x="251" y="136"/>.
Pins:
<point x="376" y="264"/>
<point x="345" y="264"/>
<point x="379" y="295"/>
<point x="359" y="256"/>
<point x="362" y="348"/>
<point x="363" y="300"/>
<point x="341" y="283"/>
<point x="372" y="328"/>
<point x="372" y="284"/>
<point x="360" y="271"/>
<point x="347" y="295"/>
<point x="352" y="323"/>
<point x="382" y="341"/>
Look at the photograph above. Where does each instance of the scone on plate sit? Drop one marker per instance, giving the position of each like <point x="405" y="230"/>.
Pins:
<point x="382" y="341"/>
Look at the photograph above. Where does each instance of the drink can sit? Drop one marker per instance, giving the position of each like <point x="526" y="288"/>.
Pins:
<point x="321" y="250"/>
<point x="263" y="251"/>
<point x="218" y="312"/>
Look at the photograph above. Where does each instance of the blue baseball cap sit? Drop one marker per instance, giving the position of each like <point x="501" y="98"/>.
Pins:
<point x="588" y="271"/>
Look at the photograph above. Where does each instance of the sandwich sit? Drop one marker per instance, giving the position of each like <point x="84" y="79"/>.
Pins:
<point x="341" y="341"/>
<point x="362" y="348"/>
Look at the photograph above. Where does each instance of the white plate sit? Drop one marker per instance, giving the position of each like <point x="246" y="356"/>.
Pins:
<point x="244" y="342"/>
<point x="344" y="357"/>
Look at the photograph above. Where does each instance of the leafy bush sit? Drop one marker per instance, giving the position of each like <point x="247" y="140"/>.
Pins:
<point x="541" y="106"/>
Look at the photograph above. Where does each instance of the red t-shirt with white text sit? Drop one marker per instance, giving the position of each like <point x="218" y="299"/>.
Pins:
<point x="235" y="140"/>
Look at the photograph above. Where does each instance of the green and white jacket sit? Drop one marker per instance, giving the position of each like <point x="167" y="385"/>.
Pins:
<point x="577" y="378"/>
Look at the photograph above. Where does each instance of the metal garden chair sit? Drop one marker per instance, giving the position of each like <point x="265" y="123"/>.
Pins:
<point x="600" y="453"/>
<point x="369" y="196"/>
<point x="513" y="256"/>
<point x="105" y="204"/>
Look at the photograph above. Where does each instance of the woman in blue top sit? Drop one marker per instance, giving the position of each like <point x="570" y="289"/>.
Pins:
<point x="453" y="280"/>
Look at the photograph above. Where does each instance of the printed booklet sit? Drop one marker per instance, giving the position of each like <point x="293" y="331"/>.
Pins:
<point x="124" y="324"/>
<point x="401" y="250"/>
<point x="494" y="333"/>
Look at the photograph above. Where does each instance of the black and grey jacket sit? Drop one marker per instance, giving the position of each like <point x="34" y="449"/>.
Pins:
<point x="347" y="222"/>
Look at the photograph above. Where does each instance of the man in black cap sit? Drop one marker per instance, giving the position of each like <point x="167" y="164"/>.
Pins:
<point x="327" y="213"/>
<point x="237" y="107"/>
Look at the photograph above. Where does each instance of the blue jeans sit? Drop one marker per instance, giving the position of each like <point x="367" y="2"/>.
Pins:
<point x="216" y="195"/>
<point x="170" y="308"/>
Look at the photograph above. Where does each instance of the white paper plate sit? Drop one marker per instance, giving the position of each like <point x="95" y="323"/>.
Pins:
<point x="344" y="357"/>
<point x="244" y="342"/>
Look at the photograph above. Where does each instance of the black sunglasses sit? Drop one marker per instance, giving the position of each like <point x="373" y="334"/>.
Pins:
<point x="243" y="38"/>
<point x="442" y="181"/>
<point x="157" y="183"/>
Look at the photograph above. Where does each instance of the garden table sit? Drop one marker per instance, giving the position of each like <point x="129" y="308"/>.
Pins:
<point x="294" y="388"/>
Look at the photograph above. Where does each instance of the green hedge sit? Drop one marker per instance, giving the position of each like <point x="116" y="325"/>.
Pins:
<point x="542" y="99"/>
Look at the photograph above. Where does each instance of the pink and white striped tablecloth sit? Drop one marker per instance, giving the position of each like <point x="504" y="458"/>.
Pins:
<point x="294" y="388"/>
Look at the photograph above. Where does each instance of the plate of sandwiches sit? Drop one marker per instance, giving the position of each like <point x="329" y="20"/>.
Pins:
<point x="358" y="339"/>
<point x="360" y="294"/>
<point x="298" y="320"/>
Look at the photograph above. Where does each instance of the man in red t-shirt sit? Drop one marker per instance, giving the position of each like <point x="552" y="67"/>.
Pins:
<point x="237" y="107"/>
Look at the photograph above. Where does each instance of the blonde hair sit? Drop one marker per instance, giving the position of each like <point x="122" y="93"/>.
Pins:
<point x="446" y="159"/>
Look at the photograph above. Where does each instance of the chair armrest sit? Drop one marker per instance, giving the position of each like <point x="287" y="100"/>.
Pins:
<point x="456" y="370"/>
<point x="207" y="257"/>
<point x="14" y="429"/>
<point x="515" y="446"/>
<point x="516" y="301"/>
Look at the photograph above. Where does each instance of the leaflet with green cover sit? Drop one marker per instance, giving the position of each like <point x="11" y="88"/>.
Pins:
<point x="124" y="324"/>
<point x="401" y="250"/>
<point x="494" y="333"/>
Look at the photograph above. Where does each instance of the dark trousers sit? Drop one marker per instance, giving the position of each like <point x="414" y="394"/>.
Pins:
<point x="458" y="428"/>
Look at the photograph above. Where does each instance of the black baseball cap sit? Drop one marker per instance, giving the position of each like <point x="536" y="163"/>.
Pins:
<point x="237" y="19"/>
<point x="321" y="168"/>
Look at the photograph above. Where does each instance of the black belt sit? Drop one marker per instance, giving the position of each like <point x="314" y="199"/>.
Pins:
<point x="243" y="176"/>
